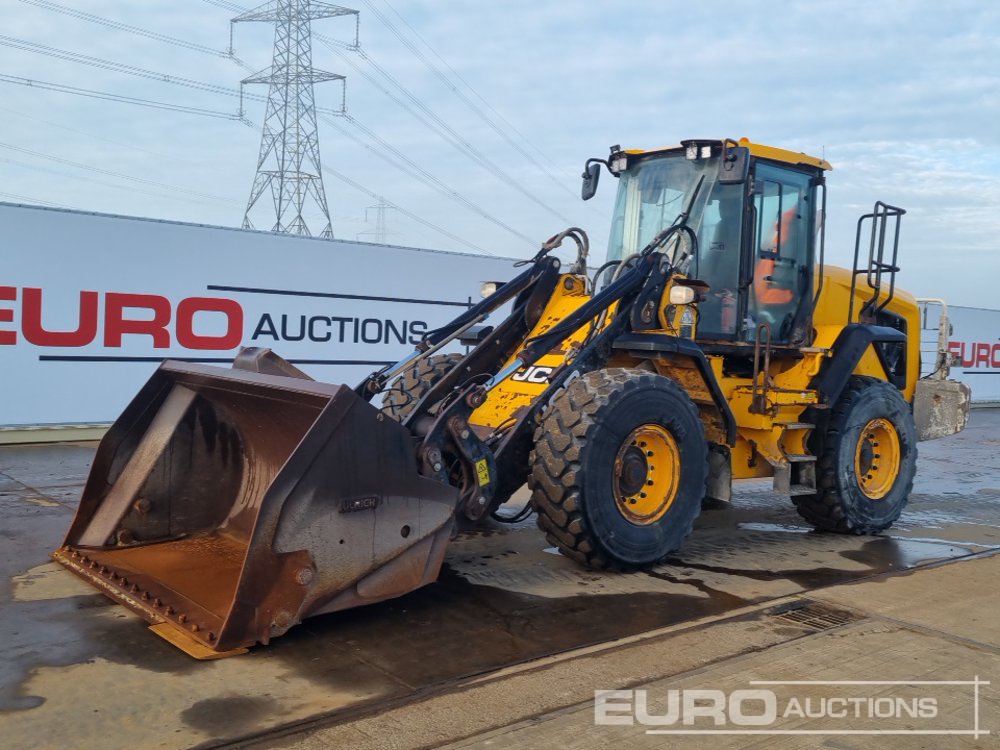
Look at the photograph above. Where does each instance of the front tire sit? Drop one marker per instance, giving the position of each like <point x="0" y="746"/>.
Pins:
<point x="619" y="469"/>
<point x="867" y="460"/>
<point x="408" y="388"/>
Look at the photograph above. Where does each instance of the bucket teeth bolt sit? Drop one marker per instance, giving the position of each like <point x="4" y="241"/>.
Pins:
<point x="303" y="576"/>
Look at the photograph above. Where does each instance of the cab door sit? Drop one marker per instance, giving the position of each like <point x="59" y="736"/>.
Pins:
<point x="783" y="218"/>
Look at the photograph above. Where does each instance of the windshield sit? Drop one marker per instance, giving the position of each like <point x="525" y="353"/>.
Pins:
<point x="652" y="194"/>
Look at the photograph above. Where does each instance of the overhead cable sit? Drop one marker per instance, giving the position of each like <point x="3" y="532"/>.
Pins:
<point x="515" y="143"/>
<point x="347" y="180"/>
<point x="110" y="173"/>
<point x="108" y="96"/>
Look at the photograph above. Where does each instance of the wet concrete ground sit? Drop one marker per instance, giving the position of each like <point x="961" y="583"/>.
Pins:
<point x="73" y="665"/>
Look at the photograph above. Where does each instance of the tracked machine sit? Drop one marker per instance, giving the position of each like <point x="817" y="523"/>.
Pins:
<point x="226" y="505"/>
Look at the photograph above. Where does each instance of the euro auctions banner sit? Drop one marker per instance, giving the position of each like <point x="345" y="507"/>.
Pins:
<point x="90" y="304"/>
<point x="975" y="341"/>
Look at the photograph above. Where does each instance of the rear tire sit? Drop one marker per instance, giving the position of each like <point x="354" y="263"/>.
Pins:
<point x="406" y="390"/>
<point x="867" y="458"/>
<point x="619" y="469"/>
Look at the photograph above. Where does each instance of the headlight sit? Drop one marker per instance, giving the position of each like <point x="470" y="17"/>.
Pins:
<point x="681" y="295"/>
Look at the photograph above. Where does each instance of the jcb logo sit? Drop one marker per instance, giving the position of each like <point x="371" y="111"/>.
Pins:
<point x="533" y="374"/>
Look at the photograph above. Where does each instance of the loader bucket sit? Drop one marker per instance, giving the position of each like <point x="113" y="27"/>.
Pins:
<point x="225" y="506"/>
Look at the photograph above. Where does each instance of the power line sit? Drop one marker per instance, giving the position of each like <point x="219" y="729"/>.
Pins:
<point x="93" y="181"/>
<point x="68" y="129"/>
<point x="405" y="163"/>
<point x="434" y="123"/>
<point x="132" y="70"/>
<point x="445" y="79"/>
<point x="417" y="171"/>
<point x="81" y="15"/>
<point x="107" y="96"/>
<point x="439" y="125"/>
<point x="347" y="180"/>
<point x="119" y="175"/>
<point x="139" y="31"/>
<point x="414" y="169"/>
<point x="231" y="7"/>
<point x="445" y="130"/>
<point x="29" y="199"/>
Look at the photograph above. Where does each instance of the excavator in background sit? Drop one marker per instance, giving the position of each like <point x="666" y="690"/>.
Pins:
<point x="225" y="506"/>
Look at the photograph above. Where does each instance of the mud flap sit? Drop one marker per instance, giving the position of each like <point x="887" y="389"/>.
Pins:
<point x="229" y="505"/>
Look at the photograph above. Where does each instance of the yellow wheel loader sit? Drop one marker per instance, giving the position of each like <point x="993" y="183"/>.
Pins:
<point x="225" y="506"/>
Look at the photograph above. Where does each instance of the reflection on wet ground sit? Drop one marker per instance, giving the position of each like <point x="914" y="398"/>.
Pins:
<point x="503" y="598"/>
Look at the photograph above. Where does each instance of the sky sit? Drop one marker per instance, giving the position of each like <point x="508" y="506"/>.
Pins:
<point x="902" y="97"/>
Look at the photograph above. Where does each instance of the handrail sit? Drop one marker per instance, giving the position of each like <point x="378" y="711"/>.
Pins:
<point x="876" y="266"/>
<point x="942" y="362"/>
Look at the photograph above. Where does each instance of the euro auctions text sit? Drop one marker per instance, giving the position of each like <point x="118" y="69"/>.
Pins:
<point x="800" y="707"/>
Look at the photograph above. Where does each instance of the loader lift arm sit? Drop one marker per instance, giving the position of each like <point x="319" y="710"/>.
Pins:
<point x="650" y="273"/>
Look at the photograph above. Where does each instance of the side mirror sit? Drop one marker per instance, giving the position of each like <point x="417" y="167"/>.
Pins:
<point x="591" y="176"/>
<point x="734" y="166"/>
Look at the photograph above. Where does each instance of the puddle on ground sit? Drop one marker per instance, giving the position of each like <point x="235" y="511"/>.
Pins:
<point x="753" y="526"/>
<point x="229" y="715"/>
<point x="885" y="554"/>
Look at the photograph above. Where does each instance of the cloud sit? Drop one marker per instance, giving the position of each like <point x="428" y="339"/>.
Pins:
<point x="903" y="97"/>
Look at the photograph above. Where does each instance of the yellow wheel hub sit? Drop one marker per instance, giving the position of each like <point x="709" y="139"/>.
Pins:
<point x="877" y="458"/>
<point x="646" y="474"/>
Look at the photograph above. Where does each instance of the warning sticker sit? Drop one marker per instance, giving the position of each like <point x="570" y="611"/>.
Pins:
<point x="483" y="472"/>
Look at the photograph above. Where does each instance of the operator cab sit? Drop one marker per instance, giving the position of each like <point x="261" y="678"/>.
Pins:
<point x="756" y="230"/>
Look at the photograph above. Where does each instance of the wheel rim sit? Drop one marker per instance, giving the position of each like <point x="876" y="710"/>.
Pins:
<point x="877" y="458"/>
<point x="647" y="470"/>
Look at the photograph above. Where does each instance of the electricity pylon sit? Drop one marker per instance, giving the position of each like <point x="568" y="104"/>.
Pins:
<point x="380" y="233"/>
<point x="288" y="167"/>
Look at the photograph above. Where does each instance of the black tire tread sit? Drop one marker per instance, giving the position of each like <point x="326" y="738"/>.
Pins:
<point x="410" y="386"/>
<point x="555" y="459"/>
<point x="824" y="510"/>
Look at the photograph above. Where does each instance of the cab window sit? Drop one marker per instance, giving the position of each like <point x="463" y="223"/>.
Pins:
<point x="783" y="220"/>
<point x="718" y="262"/>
